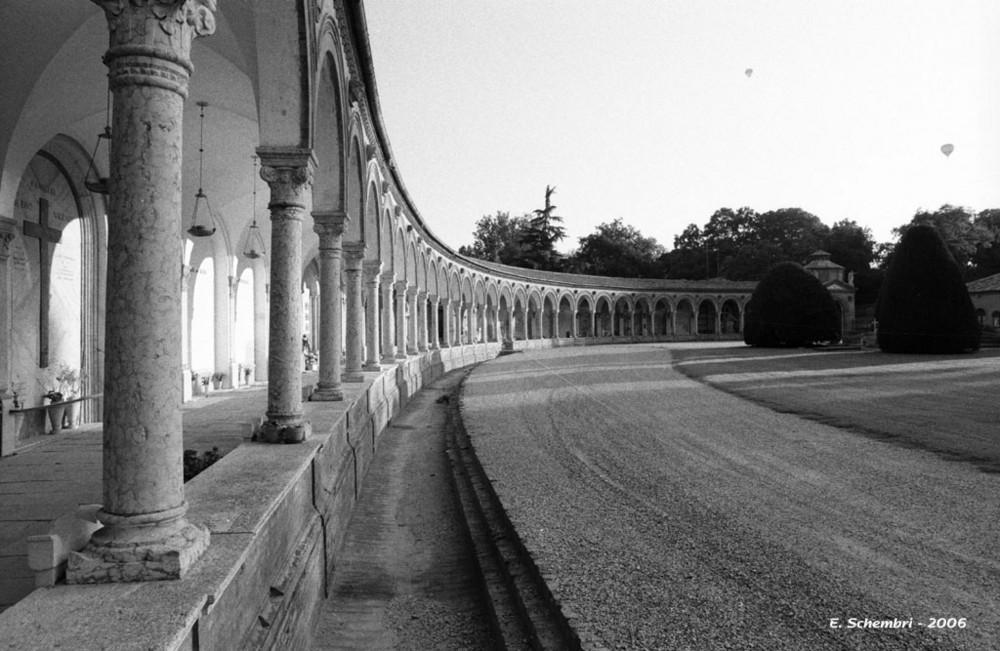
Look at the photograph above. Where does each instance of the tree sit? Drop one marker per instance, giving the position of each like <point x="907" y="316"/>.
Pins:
<point x="850" y="245"/>
<point x="617" y="249"/>
<point x="956" y="228"/>
<point x="987" y="259"/>
<point x="924" y="306"/>
<point x="790" y="307"/>
<point x="497" y="239"/>
<point x="538" y="240"/>
<point x="687" y="259"/>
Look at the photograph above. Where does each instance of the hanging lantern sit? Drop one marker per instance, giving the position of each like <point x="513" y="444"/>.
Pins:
<point x="254" y="246"/>
<point x="206" y="225"/>
<point x="91" y="180"/>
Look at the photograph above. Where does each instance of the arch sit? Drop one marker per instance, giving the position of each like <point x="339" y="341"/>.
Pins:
<point x="386" y="241"/>
<point x="685" y="317"/>
<point x="354" y="183"/>
<point x="708" y="314"/>
<point x="329" y="131"/>
<point x="729" y="318"/>
<point x="662" y="317"/>
<point x="585" y="316"/>
<point x="566" y="316"/>
<point x="373" y="245"/>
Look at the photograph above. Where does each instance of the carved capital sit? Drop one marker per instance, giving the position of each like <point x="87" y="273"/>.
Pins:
<point x="372" y="272"/>
<point x="330" y="227"/>
<point x="289" y="175"/>
<point x="150" y="40"/>
<point x="354" y="255"/>
<point x="400" y="286"/>
<point x="388" y="280"/>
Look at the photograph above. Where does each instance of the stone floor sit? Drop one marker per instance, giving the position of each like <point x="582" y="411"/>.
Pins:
<point x="52" y="476"/>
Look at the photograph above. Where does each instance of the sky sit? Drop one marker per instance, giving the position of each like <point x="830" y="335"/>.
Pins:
<point x="643" y="109"/>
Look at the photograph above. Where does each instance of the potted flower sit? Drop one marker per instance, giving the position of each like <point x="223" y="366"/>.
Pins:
<point x="217" y="379"/>
<point x="205" y="378"/>
<point x="56" y="409"/>
<point x="69" y="379"/>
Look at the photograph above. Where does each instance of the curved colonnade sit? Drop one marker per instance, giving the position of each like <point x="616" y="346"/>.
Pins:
<point x="292" y="83"/>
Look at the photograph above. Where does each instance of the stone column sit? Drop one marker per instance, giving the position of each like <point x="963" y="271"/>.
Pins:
<point x="260" y="327"/>
<point x="400" y="287"/>
<point x="446" y="323"/>
<point x="432" y="326"/>
<point x="330" y="228"/>
<point x="145" y="535"/>
<point x="388" y="322"/>
<point x="574" y="324"/>
<point x="187" y="390"/>
<point x="718" y="323"/>
<point x="412" y="320"/>
<point x="370" y="278"/>
<point x="422" y="321"/>
<point x="288" y="173"/>
<point x="8" y="436"/>
<point x="354" y="256"/>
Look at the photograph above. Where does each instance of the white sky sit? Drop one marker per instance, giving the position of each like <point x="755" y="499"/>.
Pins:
<point x="641" y="109"/>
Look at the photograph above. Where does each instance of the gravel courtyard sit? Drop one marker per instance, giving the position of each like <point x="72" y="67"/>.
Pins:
<point x="676" y="515"/>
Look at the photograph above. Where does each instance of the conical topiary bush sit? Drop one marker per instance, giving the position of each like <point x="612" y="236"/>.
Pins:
<point x="924" y="306"/>
<point x="790" y="307"/>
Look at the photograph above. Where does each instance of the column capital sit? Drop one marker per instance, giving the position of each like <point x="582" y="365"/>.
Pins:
<point x="372" y="270"/>
<point x="413" y="291"/>
<point x="154" y="29"/>
<point x="288" y="171"/>
<point x="400" y="285"/>
<point x="354" y="256"/>
<point x="433" y="298"/>
<point x="388" y="279"/>
<point x="330" y="227"/>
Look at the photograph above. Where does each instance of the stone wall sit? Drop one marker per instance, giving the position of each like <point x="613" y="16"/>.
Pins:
<point x="277" y="516"/>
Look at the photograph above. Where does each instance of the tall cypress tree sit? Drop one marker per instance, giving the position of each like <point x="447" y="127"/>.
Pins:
<point x="924" y="306"/>
<point x="790" y="307"/>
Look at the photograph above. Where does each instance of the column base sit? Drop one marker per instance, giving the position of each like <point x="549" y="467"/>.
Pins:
<point x="323" y="393"/>
<point x="353" y="376"/>
<point x="400" y="355"/>
<point x="389" y="360"/>
<point x="372" y="367"/>
<point x="411" y="351"/>
<point x="272" y="431"/>
<point x="122" y="554"/>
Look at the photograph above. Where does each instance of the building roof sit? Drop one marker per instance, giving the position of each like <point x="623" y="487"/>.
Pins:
<point x="987" y="284"/>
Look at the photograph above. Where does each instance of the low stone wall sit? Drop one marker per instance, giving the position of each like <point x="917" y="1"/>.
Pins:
<point x="277" y="516"/>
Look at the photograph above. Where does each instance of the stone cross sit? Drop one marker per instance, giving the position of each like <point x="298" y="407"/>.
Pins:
<point x="45" y="235"/>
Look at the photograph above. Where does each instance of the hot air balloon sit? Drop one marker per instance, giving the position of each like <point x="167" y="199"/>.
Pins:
<point x="748" y="72"/>
<point x="947" y="148"/>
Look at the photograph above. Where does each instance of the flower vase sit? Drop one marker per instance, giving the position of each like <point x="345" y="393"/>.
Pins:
<point x="56" y="410"/>
<point x="69" y="422"/>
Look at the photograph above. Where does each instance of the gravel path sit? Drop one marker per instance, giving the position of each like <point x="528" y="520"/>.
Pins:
<point x="678" y="516"/>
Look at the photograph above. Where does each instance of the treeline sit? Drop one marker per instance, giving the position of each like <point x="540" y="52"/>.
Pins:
<point x="739" y="244"/>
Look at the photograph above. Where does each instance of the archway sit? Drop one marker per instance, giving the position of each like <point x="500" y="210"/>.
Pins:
<point x="706" y="317"/>
<point x="730" y="317"/>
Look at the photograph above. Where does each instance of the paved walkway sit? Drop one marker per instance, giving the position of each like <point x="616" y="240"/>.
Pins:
<point x="51" y="477"/>
<point x="406" y="576"/>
